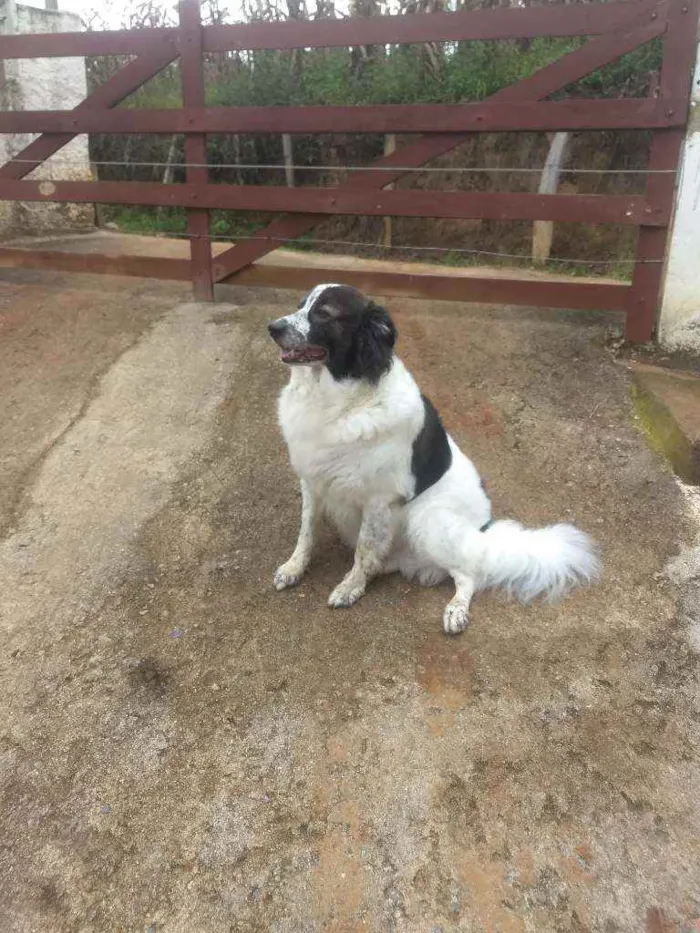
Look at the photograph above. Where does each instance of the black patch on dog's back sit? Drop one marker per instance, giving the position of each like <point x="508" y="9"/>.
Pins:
<point x="432" y="456"/>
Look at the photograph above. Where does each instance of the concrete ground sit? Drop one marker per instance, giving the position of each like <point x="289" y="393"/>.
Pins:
<point x="184" y="750"/>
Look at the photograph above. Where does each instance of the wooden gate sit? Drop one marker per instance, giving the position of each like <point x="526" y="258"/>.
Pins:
<point x="615" y="29"/>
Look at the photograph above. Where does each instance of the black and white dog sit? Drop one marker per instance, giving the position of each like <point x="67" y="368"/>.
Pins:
<point x="372" y="454"/>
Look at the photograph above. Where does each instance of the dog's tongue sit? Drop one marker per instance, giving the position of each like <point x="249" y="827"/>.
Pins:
<point x="302" y="354"/>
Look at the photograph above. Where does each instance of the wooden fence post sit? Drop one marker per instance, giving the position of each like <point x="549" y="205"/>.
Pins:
<point x="664" y="159"/>
<point x="192" y="75"/>
<point x="389" y="147"/>
<point x="543" y="230"/>
<point x="288" y="151"/>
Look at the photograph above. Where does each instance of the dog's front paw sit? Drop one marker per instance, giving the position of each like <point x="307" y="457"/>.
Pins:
<point x="455" y="618"/>
<point x="345" y="594"/>
<point x="288" y="574"/>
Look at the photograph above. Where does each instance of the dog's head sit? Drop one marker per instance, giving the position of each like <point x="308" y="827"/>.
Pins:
<point x="338" y="327"/>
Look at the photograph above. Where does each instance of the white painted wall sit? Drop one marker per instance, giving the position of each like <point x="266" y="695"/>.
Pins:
<point x="44" y="84"/>
<point x="679" y="323"/>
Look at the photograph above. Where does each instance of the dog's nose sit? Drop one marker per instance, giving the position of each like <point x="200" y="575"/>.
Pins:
<point x="277" y="328"/>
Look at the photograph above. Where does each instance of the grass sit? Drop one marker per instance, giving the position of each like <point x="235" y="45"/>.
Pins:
<point x="160" y="220"/>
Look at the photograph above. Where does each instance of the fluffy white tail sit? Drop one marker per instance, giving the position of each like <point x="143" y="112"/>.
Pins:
<point x="527" y="562"/>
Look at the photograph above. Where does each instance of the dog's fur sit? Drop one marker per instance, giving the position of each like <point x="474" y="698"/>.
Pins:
<point x="372" y="454"/>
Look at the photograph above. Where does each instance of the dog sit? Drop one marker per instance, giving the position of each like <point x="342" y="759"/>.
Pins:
<point x="372" y="455"/>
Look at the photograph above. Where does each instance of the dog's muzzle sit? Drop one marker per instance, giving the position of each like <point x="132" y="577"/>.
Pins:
<point x="293" y="346"/>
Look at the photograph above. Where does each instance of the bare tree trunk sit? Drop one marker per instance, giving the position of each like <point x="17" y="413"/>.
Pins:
<point x="169" y="170"/>
<point x="288" y="151"/>
<point x="543" y="230"/>
<point x="99" y="208"/>
<point x="389" y="147"/>
<point x="237" y="157"/>
<point x="127" y="150"/>
<point x="431" y="52"/>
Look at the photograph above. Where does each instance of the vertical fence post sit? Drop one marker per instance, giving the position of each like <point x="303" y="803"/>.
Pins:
<point x="192" y="76"/>
<point x="676" y="73"/>
<point x="543" y="230"/>
<point x="389" y="147"/>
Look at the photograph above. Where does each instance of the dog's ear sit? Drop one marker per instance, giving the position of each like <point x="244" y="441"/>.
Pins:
<point x="375" y="344"/>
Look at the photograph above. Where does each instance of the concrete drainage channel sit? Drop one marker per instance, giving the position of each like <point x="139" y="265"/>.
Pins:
<point x="668" y="405"/>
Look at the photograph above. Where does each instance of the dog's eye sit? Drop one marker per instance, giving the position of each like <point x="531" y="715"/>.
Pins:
<point x="323" y="314"/>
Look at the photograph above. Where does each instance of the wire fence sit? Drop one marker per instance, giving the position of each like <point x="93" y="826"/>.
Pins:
<point x="404" y="169"/>
<point x="436" y="251"/>
<point x="365" y="244"/>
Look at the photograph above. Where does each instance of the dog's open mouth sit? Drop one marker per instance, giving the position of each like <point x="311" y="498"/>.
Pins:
<point x="307" y="353"/>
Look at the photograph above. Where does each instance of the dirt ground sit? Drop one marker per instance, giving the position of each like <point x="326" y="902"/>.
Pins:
<point x="184" y="750"/>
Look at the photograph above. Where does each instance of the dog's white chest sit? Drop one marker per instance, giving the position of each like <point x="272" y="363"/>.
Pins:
<point x="350" y="443"/>
<point x="316" y="447"/>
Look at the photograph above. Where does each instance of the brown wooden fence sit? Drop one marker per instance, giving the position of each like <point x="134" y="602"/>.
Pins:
<point x="615" y="29"/>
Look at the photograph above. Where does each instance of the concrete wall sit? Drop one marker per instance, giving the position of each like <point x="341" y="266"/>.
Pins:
<point x="43" y="84"/>
<point x="679" y="325"/>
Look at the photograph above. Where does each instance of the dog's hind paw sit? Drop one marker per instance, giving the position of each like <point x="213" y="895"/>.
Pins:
<point x="455" y="618"/>
<point x="345" y="595"/>
<point x="288" y="574"/>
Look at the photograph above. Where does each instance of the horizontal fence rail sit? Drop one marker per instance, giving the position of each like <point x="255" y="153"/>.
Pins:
<point x="603" y="296"/>
<point x="613" y="30"/>
<point x="630" y="210"/>
<point x="545" y="21"/>
<point x="620" y="113"/>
